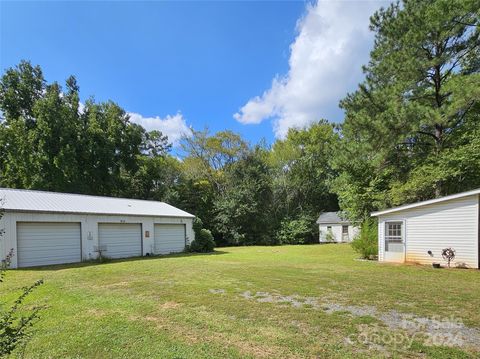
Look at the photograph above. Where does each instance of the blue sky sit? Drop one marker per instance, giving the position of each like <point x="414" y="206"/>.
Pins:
<point x="257" y="68"/>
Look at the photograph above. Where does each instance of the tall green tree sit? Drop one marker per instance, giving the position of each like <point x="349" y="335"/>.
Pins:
<point x="111" y="148"/>
<point x="156" y="144"/>
<point x="157" y="178"/>
<point x="210" y="155"/>
<point x="410" y="116"/>
<point x="46" y="142"/>
<point x="195" y="196"/>
<point x="206" y="162"/>
<point x="302" y="172"/>
<point x="20" y="88"/>
<point x="38" y="134"/>
<point x="55" y="141"/>
<point x="243" y="211"/>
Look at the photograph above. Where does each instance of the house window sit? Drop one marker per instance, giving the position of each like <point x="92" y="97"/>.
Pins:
<point x="345" y="230"/>
<point x="394" y="237"/>
<point x="329" y="228"/>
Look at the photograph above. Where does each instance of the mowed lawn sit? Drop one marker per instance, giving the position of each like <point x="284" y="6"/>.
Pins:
<point x="289" y="301"/>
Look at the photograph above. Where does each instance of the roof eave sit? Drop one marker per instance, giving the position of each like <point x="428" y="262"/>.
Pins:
<point x="23" y="210"/>
<point x="426" y="203"/>
<point x="333" y="222"/>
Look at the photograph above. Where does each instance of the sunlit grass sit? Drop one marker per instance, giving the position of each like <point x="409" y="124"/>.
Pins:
<point x="190" y="306"/>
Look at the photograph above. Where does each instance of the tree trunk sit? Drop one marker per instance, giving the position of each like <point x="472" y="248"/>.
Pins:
<point x="438" y="149"/>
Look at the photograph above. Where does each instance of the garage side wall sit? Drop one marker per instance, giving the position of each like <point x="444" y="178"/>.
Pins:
<point x="437" y="226"/>
<point x="4" y="242"/>
<point x="89" y="229"/>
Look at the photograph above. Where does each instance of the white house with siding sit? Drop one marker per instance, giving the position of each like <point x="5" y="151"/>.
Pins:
<point x="46" y="228"/>
<point x="334" y="227"/>
<point x="418" y="232"/>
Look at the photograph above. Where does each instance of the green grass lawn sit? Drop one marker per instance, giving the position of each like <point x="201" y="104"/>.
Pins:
<point x="290" y="301"/>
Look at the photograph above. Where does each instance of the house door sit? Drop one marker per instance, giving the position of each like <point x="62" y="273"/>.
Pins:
<point x="345" y="237"/>
<point x="394" y="241"/>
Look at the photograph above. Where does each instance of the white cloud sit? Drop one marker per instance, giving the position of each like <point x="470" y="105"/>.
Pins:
<point x="333" y="42"/>
<point x="173" y="126"/>
<point x="81" y="108"/>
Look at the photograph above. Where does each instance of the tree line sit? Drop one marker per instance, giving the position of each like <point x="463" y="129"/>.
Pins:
<point x="411" y="132"/>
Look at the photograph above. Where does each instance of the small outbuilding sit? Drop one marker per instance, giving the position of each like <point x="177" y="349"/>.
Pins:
<point x="45" y="228"/>
<point x="419" y="232"/>
<point x="334" y="227"/>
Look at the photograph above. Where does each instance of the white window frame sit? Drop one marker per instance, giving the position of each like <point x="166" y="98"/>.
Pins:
<point x="393" y="236"/>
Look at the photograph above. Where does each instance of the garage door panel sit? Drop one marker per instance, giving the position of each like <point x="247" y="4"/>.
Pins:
<point x="45" y="242"/>
<point x="48" y="243"/>
<point x="47" y="252"/>
<point x="34" y="260"/>
<point x="169" y="238"/>
<point x="121" y="240"/>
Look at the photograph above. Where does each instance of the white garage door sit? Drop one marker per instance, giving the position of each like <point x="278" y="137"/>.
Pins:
<point x="48" y="243"/>
<point x="169" y="238"/>
<point x="121" y="240"/>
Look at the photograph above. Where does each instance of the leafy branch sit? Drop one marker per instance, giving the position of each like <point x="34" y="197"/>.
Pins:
<point x="15" y="324"/>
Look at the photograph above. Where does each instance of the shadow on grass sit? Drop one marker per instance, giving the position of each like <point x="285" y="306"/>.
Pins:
<point x="95" y="262"/>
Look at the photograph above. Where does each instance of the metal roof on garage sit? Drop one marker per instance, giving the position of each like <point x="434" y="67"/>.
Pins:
<point x="42" y="201"/>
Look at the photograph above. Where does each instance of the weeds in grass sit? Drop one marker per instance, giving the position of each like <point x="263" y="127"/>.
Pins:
<point x="16" y="322"/>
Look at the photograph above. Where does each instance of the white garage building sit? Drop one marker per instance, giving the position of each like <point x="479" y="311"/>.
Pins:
<point x="46" y="228"/>
<point x="418" y="232"/>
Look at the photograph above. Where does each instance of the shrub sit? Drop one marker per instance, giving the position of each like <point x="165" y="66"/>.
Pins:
<point x="329" y="236"/>
<point x="366" y="242"/>
<point x="197" y="225"/>
<point x="203" y="242"/>
<point x="295" y="231"/>
<point x="16" y="321"/>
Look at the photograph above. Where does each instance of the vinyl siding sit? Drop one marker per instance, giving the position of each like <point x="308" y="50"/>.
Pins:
<point x="436" y="226"/>
<point x="4" y="224"/>
<point x="381" y="242"/>
<point x="337" y="232"/>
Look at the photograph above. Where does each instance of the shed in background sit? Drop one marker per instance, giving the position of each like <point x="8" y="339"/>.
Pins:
<point x="334" y="227"/>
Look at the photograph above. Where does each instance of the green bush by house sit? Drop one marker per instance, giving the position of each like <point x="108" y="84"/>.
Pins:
<point x="366" y="242"/>
<point x="203" y="242"/>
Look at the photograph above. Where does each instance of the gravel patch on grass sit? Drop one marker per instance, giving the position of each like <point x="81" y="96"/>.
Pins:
<point x="216" y="291"/>
<point x="449" y="331"/>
